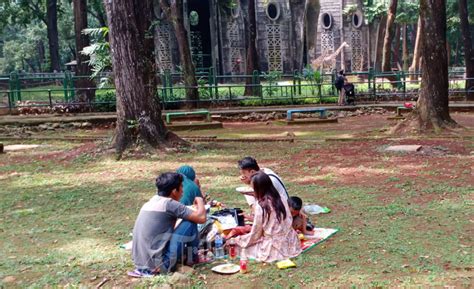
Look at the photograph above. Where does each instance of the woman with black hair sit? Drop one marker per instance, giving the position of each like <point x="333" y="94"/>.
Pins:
<point x="272" y="237"/>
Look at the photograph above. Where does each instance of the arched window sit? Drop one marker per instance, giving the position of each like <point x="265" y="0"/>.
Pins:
<point x="193" y="18"/>
<point x="273" y="11"/>
<point x="357" y="19"/>
<point x="235" y="11"/>
<point x="326" y="20"/>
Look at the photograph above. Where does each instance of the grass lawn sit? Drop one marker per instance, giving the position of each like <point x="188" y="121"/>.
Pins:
<point x="404" y="219"/>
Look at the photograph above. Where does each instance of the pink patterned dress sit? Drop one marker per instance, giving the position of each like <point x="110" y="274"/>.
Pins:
<point x="269" y="240"/>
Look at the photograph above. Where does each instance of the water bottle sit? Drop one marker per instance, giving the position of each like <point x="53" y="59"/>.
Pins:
<point x="219" y="247"/>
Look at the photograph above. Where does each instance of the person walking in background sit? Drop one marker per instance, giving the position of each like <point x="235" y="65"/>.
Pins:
<point x="339" y="84"/>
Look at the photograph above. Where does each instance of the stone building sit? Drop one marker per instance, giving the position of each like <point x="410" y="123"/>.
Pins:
<point x="287" y="37"/>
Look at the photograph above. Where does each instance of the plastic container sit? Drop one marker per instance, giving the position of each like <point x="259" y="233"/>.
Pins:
<point x="219" y="247"/>
<point x="243" y="266"/>
<point x="232" y="249"/>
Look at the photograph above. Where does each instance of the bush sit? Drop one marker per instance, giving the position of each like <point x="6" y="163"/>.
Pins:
<point x="105" y="101"/>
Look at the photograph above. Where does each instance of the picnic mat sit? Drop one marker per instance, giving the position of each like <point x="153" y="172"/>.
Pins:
<point x="320" y="235"/>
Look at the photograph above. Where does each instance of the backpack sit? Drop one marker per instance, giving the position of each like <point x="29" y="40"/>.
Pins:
<point x="339" y="82"/>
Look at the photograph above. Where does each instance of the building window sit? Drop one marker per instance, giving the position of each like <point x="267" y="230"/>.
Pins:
<point x="326" y="20"/>
<point x="235" y="11"/>
<point x="194" y="18"/>
<point x="357" y="19"/>
<point x="273" y="11"/>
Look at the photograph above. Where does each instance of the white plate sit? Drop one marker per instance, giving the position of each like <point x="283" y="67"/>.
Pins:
<point x="226" y="269"/>
<point x="244" y="189"/>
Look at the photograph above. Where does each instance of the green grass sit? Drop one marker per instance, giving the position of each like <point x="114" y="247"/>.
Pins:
<point x="63" y="217"/>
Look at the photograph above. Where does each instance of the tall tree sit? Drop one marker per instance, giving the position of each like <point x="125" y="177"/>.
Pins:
<point x="468" y="49"/>
<point x="405" y="47"/>
<point x="96" y="9"/>
<point x="432" y="107"/>
<point x="35" y="9"/>
<point x="138" y="109"/>
<point x="312" y="8"/>
<point x="252" y="55"/>
<point x="407" y="13"/>
<point x="173" y="11"/>
<point x="415" y="64"/>
<point x="389" y="34"/>
<point x="53" y="38"/>
<point x="396" y="45"/>
<point x="379" y="42"/>
<point x="85" y="86"/>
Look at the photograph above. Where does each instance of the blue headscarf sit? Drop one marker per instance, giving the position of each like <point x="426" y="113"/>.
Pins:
<point x="190" y="189"/>
<point x="187" y="171"/>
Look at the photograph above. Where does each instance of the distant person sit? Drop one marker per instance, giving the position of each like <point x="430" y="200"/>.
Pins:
<point x="349" y="92"/>
<point x="157" y="244"/>
<point x="339" y="84"/>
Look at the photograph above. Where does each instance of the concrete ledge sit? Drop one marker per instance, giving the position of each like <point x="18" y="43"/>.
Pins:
<point x="25" y="120"/>
<point x="194" y="126"/>
<point x="309" y="121"/>
<point x="395" y="118"/>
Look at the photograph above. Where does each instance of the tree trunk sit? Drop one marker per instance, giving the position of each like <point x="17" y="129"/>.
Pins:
<point x="252" y="56"/>
<point x="298" y="18"/>
<point x="389" y="33"/>
<point x="456" y="57"/>
<point x="85" y="86"/>
<point x="138" y="109"/>
<point x="53" y="39"/>
<point x="186" y="61"/>
<point x="379" y="43"/>
<point x="312" y="14"/>
<point x="41" y="54"/>
<point x="468" y="49"/>
<point x="415" y="65"/>
<point x="396" y="45"/>
<point x="405" y="48"/>
<point x="432" y="107"/>
<point x="448" y="52"/>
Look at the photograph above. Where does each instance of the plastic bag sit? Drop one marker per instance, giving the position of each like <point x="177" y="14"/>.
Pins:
<point x="285" y="264"/>
<point x="315" y="209"/>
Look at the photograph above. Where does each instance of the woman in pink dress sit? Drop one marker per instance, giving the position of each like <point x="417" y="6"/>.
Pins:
<point x="272" y="237"/>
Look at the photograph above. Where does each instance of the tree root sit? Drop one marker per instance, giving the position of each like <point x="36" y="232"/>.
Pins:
<point x="413" y="125"/>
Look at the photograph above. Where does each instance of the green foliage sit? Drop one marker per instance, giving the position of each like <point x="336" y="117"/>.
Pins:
<point x="349" y="9"/>
<point x="228" y="4"/>
<point x="20" y="49"/>
<point x="407" y="12"/>
<point x="272" y="78"/>
<point x="99" y="53"/>
<point x="193" y="18"/>
<point x="313" y="77"/>
<point x="203" y="87"/>
<point x="374" y="11"/>
<point x="106" y="101"/>
<point x="23" y="24"/>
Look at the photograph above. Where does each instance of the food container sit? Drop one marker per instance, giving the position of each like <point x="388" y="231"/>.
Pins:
<point x="243" y="266"/>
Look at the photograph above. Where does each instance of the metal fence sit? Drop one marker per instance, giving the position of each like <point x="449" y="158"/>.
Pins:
<point x="52" y="89"/>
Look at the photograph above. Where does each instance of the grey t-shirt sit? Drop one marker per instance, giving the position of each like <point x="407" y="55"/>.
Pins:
<point x="153" y="229"/>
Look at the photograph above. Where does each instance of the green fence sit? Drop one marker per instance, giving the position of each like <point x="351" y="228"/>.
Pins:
<point x="256" y="89"/>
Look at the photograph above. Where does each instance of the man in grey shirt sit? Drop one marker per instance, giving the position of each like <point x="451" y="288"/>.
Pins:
<point x="157" y="245"/>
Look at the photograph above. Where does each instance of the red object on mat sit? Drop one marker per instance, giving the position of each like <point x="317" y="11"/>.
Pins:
<point x="240" y="230"/>
<point x="408" y="105"/>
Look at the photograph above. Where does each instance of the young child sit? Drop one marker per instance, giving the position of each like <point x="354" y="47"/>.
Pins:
<point x="300" y="221"/>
